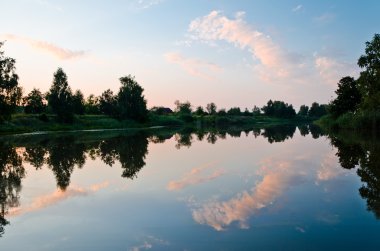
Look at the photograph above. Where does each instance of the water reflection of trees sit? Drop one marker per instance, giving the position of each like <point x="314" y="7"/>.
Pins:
<point x="62" y="154"/>
<point x="11" y="174"/>
<point x="355" y="151"/>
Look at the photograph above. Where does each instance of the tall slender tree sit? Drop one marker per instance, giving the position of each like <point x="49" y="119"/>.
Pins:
<point x="60" y="97"/>
<point x="10" y="92"/>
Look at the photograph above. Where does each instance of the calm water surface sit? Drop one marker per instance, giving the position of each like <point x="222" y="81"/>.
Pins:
<point x="280" y="188"/>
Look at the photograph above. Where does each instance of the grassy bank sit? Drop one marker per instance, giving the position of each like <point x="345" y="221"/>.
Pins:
<point x="21" y="123"/>
<point x="368" y="121"/>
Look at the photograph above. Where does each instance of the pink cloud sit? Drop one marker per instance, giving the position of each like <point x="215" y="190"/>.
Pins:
<point x="59" y="52"/>
<point x="197" y="175"/>
<point x="56" y="197"/>
<point x="193" y="66"/>
<point x="332" y="70"/>
<point x="277" y="178"/>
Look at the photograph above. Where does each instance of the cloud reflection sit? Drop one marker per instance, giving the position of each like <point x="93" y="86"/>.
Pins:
<point x="195" y="176"/>
<point x="56" y="197"/>
<point x="278" y="177"/>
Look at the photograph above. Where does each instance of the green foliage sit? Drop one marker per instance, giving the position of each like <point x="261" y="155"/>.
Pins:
<point x="234" y="111"/>
<point x="78" y="103"/>
<point x="60" y="97"/>
<point x="183" y="108"/>
<point x="211" y="108"/>
<point x="160" y="110"/>
<point x="199" y="111"/>
<point x="256" y="111"/>
<point x="10" y="93"/>
<point x="222" y="112"/>
<point x="304" y="110"/>
<point x="130" y="100"/>
<point x="348" y="97"/>
<point x="369" y="80"/>
<point x="316" y="110"/>
<point x="246" y="113"/>
<point x="34" y="102"/>
<point x="92" y="105"/>
<point x="108" y="103"/>
<point x="279" y="109"/>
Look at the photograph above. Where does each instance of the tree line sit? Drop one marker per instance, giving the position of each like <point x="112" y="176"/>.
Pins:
<point x="128" y="103"/>
<point x="357" y="102"/>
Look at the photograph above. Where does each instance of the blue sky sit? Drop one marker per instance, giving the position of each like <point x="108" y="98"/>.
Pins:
<point x="233" y="53"/>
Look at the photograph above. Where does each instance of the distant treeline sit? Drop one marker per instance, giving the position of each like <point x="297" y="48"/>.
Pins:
<point x="128" y="103"/>
<point x="357" y="104"/>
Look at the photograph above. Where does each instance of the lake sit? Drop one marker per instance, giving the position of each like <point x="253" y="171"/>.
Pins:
<point x="275" y="188"/>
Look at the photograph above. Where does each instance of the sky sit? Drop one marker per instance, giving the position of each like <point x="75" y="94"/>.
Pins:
<point x="233" y="53"/>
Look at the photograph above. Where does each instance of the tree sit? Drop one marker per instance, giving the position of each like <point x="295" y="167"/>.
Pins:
<point x="316" y="110"/>
<point x="92" y="105"/>
<point x="78" y="103"/>
<point x="211" y="108"/>
<point x="130" y="100"/>
<point x="199" y="111"/>
<point x="256" y="111"/>
<point x="348" y="97"/>
<point x="10" y="93"/>
<point x="234" y="111"/>
<point x="108" y="103"/>
<point x="34" y="102"/>
<point x="369" y="80"/>
<point x="183" y="108"/>
<point x="60" y="97"/>
<point x="304" y="110"/>
<point x="278" y="109"/>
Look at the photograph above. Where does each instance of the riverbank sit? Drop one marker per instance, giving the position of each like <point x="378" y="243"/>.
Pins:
<point x="23" y="123"/>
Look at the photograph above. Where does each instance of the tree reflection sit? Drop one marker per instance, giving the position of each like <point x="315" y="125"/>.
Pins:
<point x="64" y="154"/>
<point x="353" y="151"/>
<point x="129" y="151"/>
<point x="279" y="133"/>
<point x="11" y="174"/>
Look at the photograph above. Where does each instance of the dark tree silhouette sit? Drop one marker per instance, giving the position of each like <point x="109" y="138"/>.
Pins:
<point x="278" y="109"/>
<point x="10" y="93"/>
<point x="348" y="97"/>
<point x="130" y="100"/>
<point x="211" y="108"/>
<point x="304" y="110"/>
<point x="369" y="80"/>
<point x="34" y="102"/>
<point x="108" y="103"/>
<point x="60" y="97"/>
<point x="316" y="110"/>
<point x="92" y="105"/>
<point x="78" y="103"/>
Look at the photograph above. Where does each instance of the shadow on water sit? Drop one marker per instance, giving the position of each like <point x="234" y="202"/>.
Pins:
<point x="63" y="153"/>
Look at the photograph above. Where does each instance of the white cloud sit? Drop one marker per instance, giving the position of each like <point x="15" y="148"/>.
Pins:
<point x="273" y="61"/>
<point x="332" y="70"/>
<point x="145" y="4"/>
<point x="59" y="52"/>
<point x="325" y="18"/>
<point x="297" y="8"/>
<point x="193" y="66"/>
